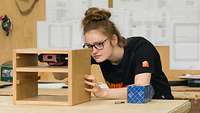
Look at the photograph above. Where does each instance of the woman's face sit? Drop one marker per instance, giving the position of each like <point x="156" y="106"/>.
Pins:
<point x="100" y="45"/>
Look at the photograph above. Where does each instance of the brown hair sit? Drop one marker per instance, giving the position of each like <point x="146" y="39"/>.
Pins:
<point x="99" y="19"/>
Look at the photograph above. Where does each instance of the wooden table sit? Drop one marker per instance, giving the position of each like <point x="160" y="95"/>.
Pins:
<point x="94" y="106"/>
<point x="189" y="93"/>
<point x="99" y="106"/>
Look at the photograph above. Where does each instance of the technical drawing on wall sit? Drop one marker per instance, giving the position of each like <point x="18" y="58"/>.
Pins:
<point x="148" y="18"/>
<point x="185" y="46"/>
<point x="59" y="36"/>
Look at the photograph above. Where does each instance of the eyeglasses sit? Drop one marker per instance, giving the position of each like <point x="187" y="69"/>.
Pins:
<point x="97" y="45"/>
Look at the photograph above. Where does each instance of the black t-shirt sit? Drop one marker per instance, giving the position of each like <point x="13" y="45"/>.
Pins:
<point x="140" y="56"/>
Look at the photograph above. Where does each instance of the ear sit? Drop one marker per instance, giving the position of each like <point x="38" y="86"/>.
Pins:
<point x="114" y="40"/>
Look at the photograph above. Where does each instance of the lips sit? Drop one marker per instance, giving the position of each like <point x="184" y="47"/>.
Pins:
<point x="97" y="56"/>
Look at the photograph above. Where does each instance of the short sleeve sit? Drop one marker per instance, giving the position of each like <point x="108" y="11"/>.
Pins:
<point x="145" y="58"/>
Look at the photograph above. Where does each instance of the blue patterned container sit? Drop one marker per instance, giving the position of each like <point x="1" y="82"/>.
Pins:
<point x="140" y="94"/>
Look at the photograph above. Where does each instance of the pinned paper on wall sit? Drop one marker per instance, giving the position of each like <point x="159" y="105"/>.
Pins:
<point x="58" y="10"/>
<point x="185" y="46"/>
<point x="149" y="19"/>
<point x="59" y="36"/>
<point x="64" y="10"/>
<point x="121" y="20"/>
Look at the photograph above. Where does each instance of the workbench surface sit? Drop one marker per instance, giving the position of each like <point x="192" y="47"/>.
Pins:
<point x="99" y="106"/>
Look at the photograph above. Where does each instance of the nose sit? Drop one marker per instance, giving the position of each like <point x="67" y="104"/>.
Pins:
<point x="94" y="50"/>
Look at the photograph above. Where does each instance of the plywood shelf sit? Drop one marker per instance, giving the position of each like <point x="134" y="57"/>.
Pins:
<point x="25" y="76"/>
<point x="62" y="69"/>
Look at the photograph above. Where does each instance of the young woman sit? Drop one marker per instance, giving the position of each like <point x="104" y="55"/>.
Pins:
<point x="122" y="61"/>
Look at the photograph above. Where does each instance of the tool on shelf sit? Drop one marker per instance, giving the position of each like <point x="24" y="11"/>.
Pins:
<point x="54" y="59"/>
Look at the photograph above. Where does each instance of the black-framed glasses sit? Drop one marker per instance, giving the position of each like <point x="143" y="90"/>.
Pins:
<point x="97" y="45"/>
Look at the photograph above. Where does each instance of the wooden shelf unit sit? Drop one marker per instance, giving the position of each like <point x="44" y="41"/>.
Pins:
<point x="25" y="76"/>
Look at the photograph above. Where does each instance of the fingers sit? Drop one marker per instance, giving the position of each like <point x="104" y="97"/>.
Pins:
<point x="89" y="90"/>
<point x="95" y="89"/>
<point x="90" y="78"/>
<point x="93" y="84"/>
<point x="90" y="81"/>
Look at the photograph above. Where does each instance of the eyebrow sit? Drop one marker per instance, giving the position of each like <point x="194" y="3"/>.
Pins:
<point x="95" y="42"/>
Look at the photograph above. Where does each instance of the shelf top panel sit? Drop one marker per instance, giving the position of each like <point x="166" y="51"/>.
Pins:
<point x="41" y="51"/>
<point x="62" y="69"/>
<point x="46" y="51"/>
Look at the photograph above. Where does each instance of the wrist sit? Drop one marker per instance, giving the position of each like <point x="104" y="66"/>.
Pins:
<point x="101" y="93"/>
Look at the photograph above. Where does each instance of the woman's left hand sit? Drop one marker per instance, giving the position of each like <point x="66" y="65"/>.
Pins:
<point x="93" y="87"/>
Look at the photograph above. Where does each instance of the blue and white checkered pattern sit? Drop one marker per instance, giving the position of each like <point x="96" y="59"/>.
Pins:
<point x="140" y="94"/>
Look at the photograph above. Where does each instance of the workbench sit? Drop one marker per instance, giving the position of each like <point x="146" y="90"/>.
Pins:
<point x="99" y="106"/>
<point x="188" y="93"/>
<point x="94" y="106"/>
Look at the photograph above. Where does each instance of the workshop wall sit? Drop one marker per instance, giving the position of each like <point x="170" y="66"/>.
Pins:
<point x="23" y="34"/>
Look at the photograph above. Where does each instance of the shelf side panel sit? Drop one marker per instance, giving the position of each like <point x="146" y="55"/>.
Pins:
<point x="26" y="85"/>
<point x="79" y="65"/>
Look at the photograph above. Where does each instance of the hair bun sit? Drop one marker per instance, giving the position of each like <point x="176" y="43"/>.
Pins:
<point x="95" y="14"/>
<point x="91" y="10"/>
